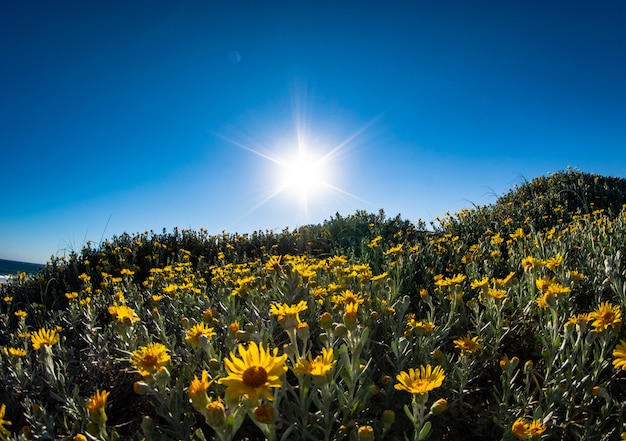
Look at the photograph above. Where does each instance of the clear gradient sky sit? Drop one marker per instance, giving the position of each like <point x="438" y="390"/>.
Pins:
<point x="125" y="116"/>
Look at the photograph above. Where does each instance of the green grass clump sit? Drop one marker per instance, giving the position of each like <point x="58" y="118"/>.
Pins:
<point x="502" y="322"/>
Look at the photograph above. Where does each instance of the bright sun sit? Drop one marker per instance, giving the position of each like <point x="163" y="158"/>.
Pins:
<point x="304" y="175"/>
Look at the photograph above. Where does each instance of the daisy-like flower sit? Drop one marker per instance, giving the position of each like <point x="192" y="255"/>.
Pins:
<point x="197" y="333"/>
<point x="497" y="294"/>
<point x="318" y="367"/>
<point x="4" y="432"/>
<point x="450" y="281"/>
<point x="96" y="406"/>
<point x="346" y="297"/>
<point x="524" y="429"/>
<point x="254" y="373"/>
<point x="607" y="315"/>
<point x="528" y="263"/>
<point x="420" y="381"/>
<point x="150" y="359"/>
<point x="288" y="315"/>
<point x="620" y="355"/>
<point x="197" y="391"/>
<point x="124" y="314"/>
<point x="554" y="262"/>
<point x="422" y="327"/>
<point x="480" y="284"/>
<point x="17" y="352"/>
<point x="44" y="337"/>
<point x="468" y="344"/>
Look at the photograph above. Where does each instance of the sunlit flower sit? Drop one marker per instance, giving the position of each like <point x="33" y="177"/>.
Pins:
<point x="420" y="381"/>
<point x="480" y="284"/>
<point x="500" y="283"/>
<point x="605" y="316"/>
<point x="197" y="333"/>
<point x="318" y="367"/>
<point x="44" y="337"/>
<point x="528" y="263"/>
<point x="365" y="433"/>
<point x="346" y="297"/>
<point x="96" y="406"/>
<point x="375" y="242"/>
<point x="393" y="250"/>
<point x="254" y="373"/>
<point x="620" y="355"/>
<point x="17" y="352"/>
<point x="523" y="429"/>
<point x="468" y="344"/>
<point x="197" y="391"/>
<point x="422" y="327"/>
<point x="497" y="294"/>
<point x="288" y="315"/>
<point x="20" y="314"/>
<point x="554" y="262"/>
<point x="150" y="359"/>
<point x="543" y="283"/>
<point x="124" y="314"/>
<point x="450" y="281"/>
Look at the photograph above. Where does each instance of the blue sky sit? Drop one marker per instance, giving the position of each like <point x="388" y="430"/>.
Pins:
<point x="130" y="116"/>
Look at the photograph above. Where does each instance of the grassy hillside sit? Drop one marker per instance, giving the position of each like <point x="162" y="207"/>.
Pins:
<point x="499" y="322"/>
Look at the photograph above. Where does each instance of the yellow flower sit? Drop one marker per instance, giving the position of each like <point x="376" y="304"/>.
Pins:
<point x="80" y="437"/>
<point x="44" y="337"/>
<point x="530" y="262"/>
<point x="479" y="284"/>
<point x="526" y="430"/>
<point x="554" y="262"/>
<point x="519" y="428"/>
<point x="620" y="355"/>
<point x="20" y="313"/>
<point x="124" y="314"/>
<point x="150" y="359"/>
<point x="365" y="433"/>
<point x="4" y="432"/>
<point x="375" y="242"/>
<point x="317" y="368"/>
<point x="606" y="315"/>
<point x="197" y="391"/>
<point x="468" y="344"/>
<point x="254" y="373"/>
<point x="17" y="352"/>
<point x="422" y="327"/>
<point x="347" y="297"/>
<point x="420" y="381"/>
<point x="197" y="332"/>
<point x="288" y="315"/>
<point x="96" y="405"/>
<point x="497" y="294"/>
<point x="449" y="281"/>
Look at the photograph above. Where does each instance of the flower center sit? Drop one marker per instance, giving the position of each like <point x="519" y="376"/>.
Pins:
<point x="254" y="377"/>
<point x="608" y="317"/>
<point x="150" y="360"/>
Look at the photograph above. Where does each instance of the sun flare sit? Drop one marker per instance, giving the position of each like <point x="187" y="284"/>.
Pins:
<point x="304" y="175"/>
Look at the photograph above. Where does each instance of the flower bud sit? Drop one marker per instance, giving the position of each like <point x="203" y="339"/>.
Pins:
<point x="528" y="367"/>
<point x="302" y="331"/>
<point x="142" y="388"/>
<point x="216" y="414"/>
<point x="365" y="433"/>
<point x="437" y="354"/>
<point x="439" y="406"/>
<point x="340" y="330"/>
<point x="264" y="413"/>
<point x="326" y="320"/>
<point x="242" y="336"/>
<point x="385" y="380"/>
<point x="214" y="364"/>
<point x="147" y="424"/>
<point x="389" y="416"/>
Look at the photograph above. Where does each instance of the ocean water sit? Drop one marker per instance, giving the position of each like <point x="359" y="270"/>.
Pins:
<point x="13" y="267"/>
